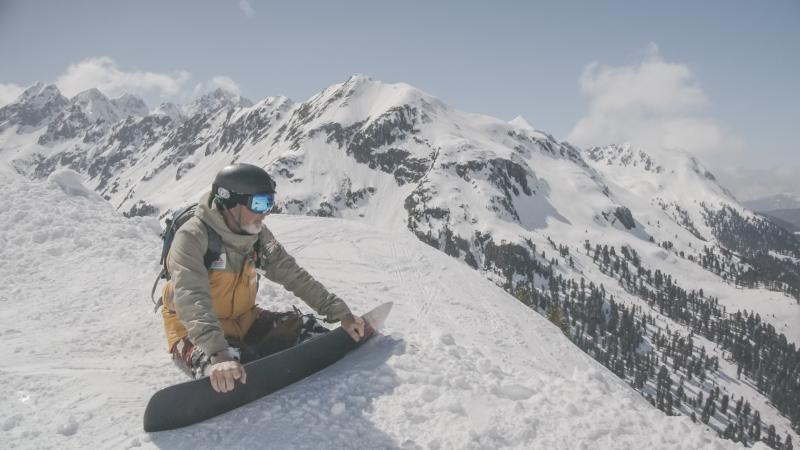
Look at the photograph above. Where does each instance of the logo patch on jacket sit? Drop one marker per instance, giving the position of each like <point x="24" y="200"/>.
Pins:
<point x="219" y="263"/>
<point x="271" y="246"/>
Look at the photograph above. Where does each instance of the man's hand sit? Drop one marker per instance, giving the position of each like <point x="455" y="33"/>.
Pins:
<point x="355" y="327"/>
<point x="225" y="371"/>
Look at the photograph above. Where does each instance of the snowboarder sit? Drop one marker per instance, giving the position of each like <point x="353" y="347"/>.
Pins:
<point x="212" y="323"/>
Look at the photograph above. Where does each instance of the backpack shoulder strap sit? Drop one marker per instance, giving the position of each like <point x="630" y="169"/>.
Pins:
<point x="214" y="246"/>
<point x="212" y="254"/>
<point x="161" y="275"/>
<point x="257" y="253"/>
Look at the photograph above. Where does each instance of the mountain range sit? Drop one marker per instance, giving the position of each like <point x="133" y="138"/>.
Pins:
<point x="783" y="209"/>
<point x="539" y="217"/>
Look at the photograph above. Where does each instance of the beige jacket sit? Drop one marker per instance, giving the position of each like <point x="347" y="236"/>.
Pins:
<point x="210" y="305"/>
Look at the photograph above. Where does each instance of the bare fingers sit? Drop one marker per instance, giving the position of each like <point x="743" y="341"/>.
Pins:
<point x="224" y="375"/>
<point x="354" y="326"/>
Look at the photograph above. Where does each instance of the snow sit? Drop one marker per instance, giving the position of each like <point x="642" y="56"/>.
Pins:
<point x="39" y="95"/>
<point x="522" y="122"/>
<point x="170" y="110"/>
<point x="680" y="181"/>
<point x="97" y="106"/>
<point x="460" y="363"/>
<point x="214" y="101"/>
<point x="784" y="257"/>
<point x="70" y="182"/>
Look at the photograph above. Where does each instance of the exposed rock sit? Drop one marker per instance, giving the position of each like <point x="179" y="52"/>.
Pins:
<point x="625" y="217"/>
<point x="142" y="208"/>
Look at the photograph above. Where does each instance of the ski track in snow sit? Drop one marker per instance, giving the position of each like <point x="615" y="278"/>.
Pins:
<point x="459" y="364"/>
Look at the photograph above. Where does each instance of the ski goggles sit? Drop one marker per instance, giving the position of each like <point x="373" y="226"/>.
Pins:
<point x="260" y="203"/>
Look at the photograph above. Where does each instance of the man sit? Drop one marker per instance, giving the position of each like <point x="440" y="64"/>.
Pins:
<point x="212" y="323"/>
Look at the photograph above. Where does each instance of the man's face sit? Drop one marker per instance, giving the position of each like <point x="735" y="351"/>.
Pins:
<point x="249" y="221"/>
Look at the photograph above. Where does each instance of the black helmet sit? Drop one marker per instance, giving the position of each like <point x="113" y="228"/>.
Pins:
<point x="237" y="181"/>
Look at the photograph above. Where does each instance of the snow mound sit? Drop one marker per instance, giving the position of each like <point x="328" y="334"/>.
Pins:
<point x="71" y="183"/>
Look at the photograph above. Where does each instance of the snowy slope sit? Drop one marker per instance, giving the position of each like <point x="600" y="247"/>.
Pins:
<point x="461" y="364"/>
<point x="667" y="191"/>
<point x="671" y="182"/>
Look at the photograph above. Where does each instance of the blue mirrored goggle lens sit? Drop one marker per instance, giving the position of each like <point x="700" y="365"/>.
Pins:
<point x="261" y="203"/>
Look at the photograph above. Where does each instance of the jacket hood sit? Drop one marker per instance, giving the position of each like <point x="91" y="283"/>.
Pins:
<point x="212" y="216"/>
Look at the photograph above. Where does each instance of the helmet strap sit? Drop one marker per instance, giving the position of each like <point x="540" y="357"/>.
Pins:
<point x="218" y="201"/>
<point x="238" y="220"/>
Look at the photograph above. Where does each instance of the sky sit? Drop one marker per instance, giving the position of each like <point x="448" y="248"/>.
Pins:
<point x="719" y="79"/>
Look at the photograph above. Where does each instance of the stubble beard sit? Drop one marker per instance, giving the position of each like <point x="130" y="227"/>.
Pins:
<point x="252" y="228"/>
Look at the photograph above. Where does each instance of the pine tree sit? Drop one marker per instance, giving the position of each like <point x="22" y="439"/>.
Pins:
<point x="555" y="316"/>
<point x="723" y="407"/>
<point x="756" y="431"/>
<point x="728" y="433"/>
<point x="523" y="294"/>
<point x="771" y="437"/>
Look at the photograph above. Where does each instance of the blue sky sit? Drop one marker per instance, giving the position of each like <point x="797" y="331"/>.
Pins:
<point x="726" y="73"/>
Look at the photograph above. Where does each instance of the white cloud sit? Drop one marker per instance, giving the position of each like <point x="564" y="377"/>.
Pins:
<point x="9" y="93"/>
<point x="102" y="73"/>
<point x="750" y="183"/>
<point x="218" y="82"/>
<point x="653" y="104"/>
<point x="247" y="8"/>
<point x="225" y="83"/>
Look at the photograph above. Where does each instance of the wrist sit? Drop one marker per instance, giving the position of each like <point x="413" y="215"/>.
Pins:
<point x="224" y="355"/>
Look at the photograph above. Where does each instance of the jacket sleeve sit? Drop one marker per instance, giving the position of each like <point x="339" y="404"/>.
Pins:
<point x="192" y="295"/>
<point x="282" y="268"/>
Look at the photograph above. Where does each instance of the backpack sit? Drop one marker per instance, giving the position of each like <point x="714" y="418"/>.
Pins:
<point x="172" y="224"/>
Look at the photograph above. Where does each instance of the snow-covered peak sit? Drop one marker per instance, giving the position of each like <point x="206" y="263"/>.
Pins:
<point x="40" y="94"/>
<point x="30" y="92"/>
<point x="95" y="105"/>
<point x="638" y="162"/>
<point x="673" y="181"/>
<point x="130" y="105"/>
<point x="522" y="122"/>
<point x="361" y="98"/>
<point x="277" y="102"/>
<point x="216" y="100"/>
<point x="34" y="108"/>
<point x="89" y="95"/>
<point x="624" y="156"/>
<point x="170" y="110"/>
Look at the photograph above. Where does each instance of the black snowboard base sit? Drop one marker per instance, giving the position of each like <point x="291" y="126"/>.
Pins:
<point x="194" y="401"/>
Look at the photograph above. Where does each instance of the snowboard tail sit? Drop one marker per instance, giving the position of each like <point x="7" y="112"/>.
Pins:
<point x="194" y="401"/>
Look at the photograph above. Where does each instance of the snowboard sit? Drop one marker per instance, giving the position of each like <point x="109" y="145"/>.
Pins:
<point x="194" y="401"/>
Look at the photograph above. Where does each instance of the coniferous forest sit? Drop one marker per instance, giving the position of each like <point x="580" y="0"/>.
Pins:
<point x="666" y="365"/>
